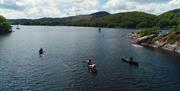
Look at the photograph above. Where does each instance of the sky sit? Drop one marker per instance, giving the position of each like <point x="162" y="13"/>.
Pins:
<point x="33" y="9"/>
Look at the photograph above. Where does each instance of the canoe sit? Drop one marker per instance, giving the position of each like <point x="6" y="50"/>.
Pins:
<point x="130" y="62"/>
<point x="17" y="28"/>
<point x="90" y="67"/>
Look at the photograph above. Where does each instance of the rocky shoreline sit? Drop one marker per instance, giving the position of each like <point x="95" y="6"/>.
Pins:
<point x="170" y="42"/>
<point x="5" y="31"/>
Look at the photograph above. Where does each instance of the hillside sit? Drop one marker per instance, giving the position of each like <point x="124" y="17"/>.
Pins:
<point x="72" y="20"/>
<point x="170" y="18"/>
<point x="99" y="14"/>
<point x="105" y="19"/>
<point x="128" y="20"/>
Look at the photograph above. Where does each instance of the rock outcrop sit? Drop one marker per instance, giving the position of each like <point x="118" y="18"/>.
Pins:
<point x="169" y="42"/>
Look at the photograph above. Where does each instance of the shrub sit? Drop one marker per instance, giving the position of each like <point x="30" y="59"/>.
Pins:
<point x="175" y="28"/>
<point x="148" y="31"/>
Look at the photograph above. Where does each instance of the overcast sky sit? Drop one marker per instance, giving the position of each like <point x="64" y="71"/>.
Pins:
<point x="13" y="9"/>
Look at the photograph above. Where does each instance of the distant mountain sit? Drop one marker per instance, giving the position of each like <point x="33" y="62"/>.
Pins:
<point x="98" y="19"/>
<point x="128" y="20"/>
<point x="87" y="17"/>
<point x="170" y="18"/>
<point x="59" y="21"/>
<point x="104" y="19"/>
<point x="100" y="14"/>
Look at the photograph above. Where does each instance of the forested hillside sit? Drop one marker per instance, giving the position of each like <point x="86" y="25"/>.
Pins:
<point x="105" y="19"/>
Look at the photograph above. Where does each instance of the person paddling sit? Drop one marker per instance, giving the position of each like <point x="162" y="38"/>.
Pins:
<point x="41" y="51"/>
<point x="131" y="59"/>
<point x="91" y="64"/>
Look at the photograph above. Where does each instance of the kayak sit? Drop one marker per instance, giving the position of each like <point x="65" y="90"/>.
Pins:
<point x="41" y="55"/>
<point x="130" y="62"/>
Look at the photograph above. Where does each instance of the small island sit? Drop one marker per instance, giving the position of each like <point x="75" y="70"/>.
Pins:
<point x="154" y="38"/>
<point x="5" y="26"/>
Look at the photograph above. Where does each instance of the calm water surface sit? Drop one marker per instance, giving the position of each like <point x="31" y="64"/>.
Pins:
<point x="63" y="69"/>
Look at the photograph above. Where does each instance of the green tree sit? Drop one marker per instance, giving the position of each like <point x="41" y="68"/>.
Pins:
<point x="175" y="28"/>
<point x="148" y="31"/>
<point x="4" y="25"/>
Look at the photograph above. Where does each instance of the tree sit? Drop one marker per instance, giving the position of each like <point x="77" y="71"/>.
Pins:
<point x="175" y="28"/>
<point x="4" y="25"/>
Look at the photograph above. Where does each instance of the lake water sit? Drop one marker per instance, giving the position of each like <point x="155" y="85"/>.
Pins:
<point x="63" y="68"/>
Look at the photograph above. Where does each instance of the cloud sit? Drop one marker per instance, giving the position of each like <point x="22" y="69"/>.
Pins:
<point x="12" y="4"/>
<point x="48" y="8"/>
<point x="76" y="7"/>
<point x="149" y="1"/>
<point x="150" y="6"/>
<point x="63" y="8"/>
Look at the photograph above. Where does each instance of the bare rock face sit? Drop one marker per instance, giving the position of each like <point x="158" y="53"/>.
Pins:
<point x="159" y="44"/>
<point x="138" y="40"/>
<point x="178" y="49"/>
<point x="145" y="39"/>
<point x="170" y="47"/>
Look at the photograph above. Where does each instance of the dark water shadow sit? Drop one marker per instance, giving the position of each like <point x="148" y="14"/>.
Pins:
<point x="131" y="66"/>
<point x="93" y="73"/>
<point x="5" y="34"/>
<point x="134" y="66"/>
<point x="162" y="51"/>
